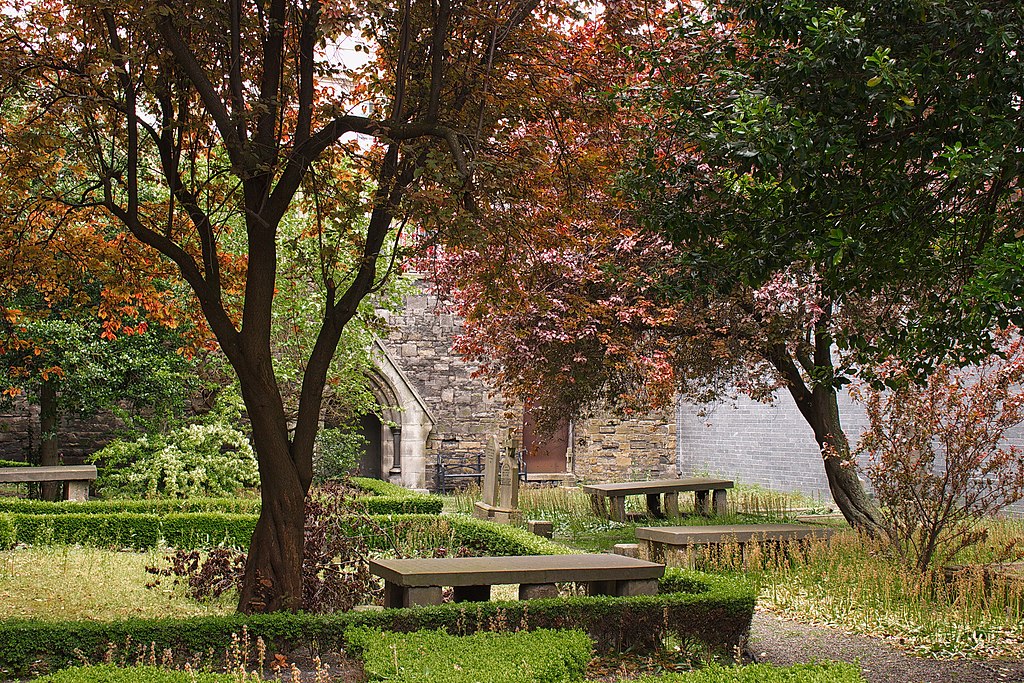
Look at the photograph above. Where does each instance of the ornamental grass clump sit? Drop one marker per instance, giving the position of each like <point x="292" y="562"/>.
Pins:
<point x="938" y="460"/>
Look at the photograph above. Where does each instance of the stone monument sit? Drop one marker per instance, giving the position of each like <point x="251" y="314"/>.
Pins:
<point x="500" y="485"/>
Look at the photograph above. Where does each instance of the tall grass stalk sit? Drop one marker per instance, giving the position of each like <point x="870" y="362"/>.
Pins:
<point x="849" y="581"/>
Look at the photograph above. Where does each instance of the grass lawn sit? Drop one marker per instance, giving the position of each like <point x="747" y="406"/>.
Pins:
<point x="59" y="583"/>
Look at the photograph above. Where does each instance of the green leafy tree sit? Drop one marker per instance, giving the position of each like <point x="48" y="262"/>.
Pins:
<point x="181" y="122"/>
<point x="809" y="189"/>
<point x="70" y="365"/>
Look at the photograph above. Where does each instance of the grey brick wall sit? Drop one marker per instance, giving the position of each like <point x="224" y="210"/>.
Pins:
<point x="766" y="444"/>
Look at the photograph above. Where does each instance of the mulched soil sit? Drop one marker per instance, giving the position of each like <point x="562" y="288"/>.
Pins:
<point x="783" y="642"/>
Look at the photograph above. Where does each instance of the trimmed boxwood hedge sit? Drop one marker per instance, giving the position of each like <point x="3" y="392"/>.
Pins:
<point x="540" y="656"/>
<point x="14" y="463"/>
<point x="209" y="529"/>
<point x="7" y="534"/>
<point x="383" y="498"/>
<point x="820" y="672"/>
<point x="160" y="506"/>
<point x="132" y="530"/>
<point x="717" y="613"/>
<point x="108" y="673"/>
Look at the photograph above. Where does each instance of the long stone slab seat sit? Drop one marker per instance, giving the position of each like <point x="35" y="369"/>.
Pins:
<point x="710" y="496"/>
<point x="654" y="540"/>
<point x="75" y="477"/>
<point x="419" y="581"/>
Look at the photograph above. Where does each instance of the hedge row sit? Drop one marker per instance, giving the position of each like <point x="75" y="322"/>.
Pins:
<point x="14" y="463"/>
<point x="165" y="506"/>
<point x="137" y="531"/>
<point x="209" y="529"/>
<point x="383" y="498"/>
<point x="717" y="614"/>
<point x="487" y="664"/>
<point x="108" y="673"/>
<point x="540" y="656"/>
<point x="820" y="672"/>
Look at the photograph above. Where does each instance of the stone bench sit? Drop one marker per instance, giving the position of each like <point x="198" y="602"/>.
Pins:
<point x="615" y="495"/>
<point x="75" y="477"/>
<point x="654" y="541"/>
<point x="419" y="581"/>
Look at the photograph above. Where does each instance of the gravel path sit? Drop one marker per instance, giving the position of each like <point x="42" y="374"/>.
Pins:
<point x="783" y="642"/>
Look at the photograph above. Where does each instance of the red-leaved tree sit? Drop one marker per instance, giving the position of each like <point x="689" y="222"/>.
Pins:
<point x="939" y="461"/>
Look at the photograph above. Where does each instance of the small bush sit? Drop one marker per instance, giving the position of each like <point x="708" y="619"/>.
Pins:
<point x="108" y="673"/>
<point x="939" y="461"/>
<point x="8" y="536"/>
<point x="14" y="463"/>
<point x="823" y="672"/>
<point x="337" y="454"/>
<point x="540" y="656"/>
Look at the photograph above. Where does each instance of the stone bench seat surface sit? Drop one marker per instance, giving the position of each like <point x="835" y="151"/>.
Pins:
<point x="632" y="488"/>
<point x="528" y="569"/>
<point x="730" y="533"/>
<point x="56" y="473"/>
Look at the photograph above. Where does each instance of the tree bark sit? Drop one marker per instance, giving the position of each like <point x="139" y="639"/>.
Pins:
<point x="820" y="408"/>
<point x="273" y="572"/>
<point x="840" y="467"/>
<point x="48" y="453"/>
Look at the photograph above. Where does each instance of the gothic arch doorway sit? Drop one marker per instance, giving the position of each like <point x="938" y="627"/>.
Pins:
<point x="398" y="433"/>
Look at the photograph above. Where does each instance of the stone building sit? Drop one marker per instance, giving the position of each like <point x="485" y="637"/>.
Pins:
<point x="435" y="411"/>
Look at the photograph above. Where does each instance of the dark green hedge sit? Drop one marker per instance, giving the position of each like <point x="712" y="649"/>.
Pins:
<point x="208" y="529"/>
<point x="382" y="498"/>
<point x="820" y="672"/>
<point x="717" y="615"/>
<point x="238" y="506"/>
<point x="131" y="530"/>
<point x="540" y="656"/>
<point x="8" y="536"/>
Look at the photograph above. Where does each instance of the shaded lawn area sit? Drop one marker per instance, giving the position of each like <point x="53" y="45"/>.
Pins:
<point x="57" y="583"/>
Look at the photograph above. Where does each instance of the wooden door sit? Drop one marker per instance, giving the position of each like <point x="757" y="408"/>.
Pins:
<point x="545" y="453"/>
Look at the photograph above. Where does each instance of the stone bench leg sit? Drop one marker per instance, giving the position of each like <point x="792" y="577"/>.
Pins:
<point x="654" y="505"/>
<point x="78" y="491"/>
<point x="597" y="504"/>
<point x="394" y="595"/>
<point x="472" y="593"/>
<point x="672" y="504"/>
<point x="701" y="506"/>
<point x="531" y="591"/>
<point x="625" y="589"/>
<point x="617" y="508"/>
<point x="719" y="501"/>
<point x="422" y="595"/>
<point x="410" y="596"/>
<point x="601" y="587"/>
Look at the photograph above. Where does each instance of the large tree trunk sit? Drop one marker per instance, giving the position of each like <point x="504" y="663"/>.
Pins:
<point x="273" y="572"/>
<point x="819" y="406"/>
<point x="840" y="466"/>
<point x="48" y="454"/>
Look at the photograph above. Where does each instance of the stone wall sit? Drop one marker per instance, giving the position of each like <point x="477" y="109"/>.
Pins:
<point x="605" y="448"/>
<point x="464" y="410"/>
<point x="77" y="437"/>
<point x="767" y="444"/>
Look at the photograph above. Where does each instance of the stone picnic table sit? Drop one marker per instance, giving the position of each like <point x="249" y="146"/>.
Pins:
<point x="76" y="477"/>
<point x="616" y="493"/>
<point x="419" y="581"/>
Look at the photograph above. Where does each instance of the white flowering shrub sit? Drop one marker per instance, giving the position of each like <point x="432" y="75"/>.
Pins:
<point x="210" y="459"/>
